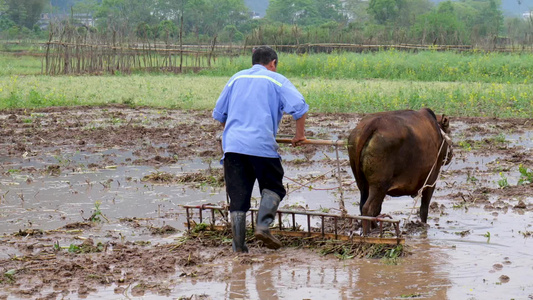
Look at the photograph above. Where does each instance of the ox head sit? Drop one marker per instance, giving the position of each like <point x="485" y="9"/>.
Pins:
<point x="444" y="124"/>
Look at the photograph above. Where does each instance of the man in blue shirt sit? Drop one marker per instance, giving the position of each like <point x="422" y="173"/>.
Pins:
<point x="250" y="108"/>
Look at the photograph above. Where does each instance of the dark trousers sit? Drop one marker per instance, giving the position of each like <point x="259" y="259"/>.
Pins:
<point x="240" y="173"/>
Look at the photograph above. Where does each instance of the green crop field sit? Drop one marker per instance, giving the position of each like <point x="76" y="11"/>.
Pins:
<point x="473" y="84"/>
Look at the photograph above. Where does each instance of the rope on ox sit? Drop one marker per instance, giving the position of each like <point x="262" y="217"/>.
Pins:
<point x="445" y="139"/>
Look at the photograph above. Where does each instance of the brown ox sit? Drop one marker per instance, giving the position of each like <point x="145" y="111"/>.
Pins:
<point x="393" y="153"/>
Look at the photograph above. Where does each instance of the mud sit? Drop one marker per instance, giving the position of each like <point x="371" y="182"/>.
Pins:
<point x="90" y="208"/>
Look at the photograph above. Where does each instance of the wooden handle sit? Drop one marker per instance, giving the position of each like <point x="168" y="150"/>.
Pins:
<point x="313" y="142"/>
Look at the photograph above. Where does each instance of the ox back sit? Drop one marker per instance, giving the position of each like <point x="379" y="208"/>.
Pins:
<point x="392" y="153"/>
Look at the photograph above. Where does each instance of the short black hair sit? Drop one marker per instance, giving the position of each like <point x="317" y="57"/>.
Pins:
<point x="264" y="55"/>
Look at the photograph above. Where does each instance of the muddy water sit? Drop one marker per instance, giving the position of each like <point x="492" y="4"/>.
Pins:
<point x="475" y="247"/>
<point x="442" y="265"/>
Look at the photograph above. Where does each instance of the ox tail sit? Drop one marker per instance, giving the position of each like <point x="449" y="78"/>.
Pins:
<point x="357" y="142"/>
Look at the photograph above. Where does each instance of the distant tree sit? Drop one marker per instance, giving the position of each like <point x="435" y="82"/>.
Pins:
<point x="3" y="6"/>
<point x="167" y="29"/>
<point x="518" y="29"/>
<point x="6" y="23"/>
<point x="301" y="12"/>
<point x="411" y="9"/>
<point x="329" y="10"/>
<point x="385" y="11"/>
<point x="203" y="16"/>
<point x="231" y="34"/>
<point x="357" y="11"/>
<point x="144" y="31"/>
<point x="218" y="13"/>
<point x="86" y="7"/>
<point x="490" y="19"/>
<point x="111" y="14"/>
<point x="125" y="14"/>
<point x="305" y="12"/>
<point x="441" y="26"/>
<point x="25" y="12"/>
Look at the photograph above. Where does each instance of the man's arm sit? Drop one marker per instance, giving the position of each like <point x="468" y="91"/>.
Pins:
<point x="300" y="131"/>
<point x="220" y="112"/>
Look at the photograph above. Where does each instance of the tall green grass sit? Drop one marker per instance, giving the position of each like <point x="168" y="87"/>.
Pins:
<point x="323" y="95"/>
<point x="391" y="65"/>
<point x="456" y="99"/>
<point x="398" y="65"/>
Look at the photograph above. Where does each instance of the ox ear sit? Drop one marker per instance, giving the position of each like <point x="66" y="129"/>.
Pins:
<point x="445" y="123"/>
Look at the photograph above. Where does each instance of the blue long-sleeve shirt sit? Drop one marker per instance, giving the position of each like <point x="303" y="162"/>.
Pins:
<point x="252" y="104"/>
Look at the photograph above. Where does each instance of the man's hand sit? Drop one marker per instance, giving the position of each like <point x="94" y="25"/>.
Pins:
<point x="297" y="140"/>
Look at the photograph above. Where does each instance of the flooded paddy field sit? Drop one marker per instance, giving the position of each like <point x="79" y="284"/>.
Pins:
<point x="90" y="208"/>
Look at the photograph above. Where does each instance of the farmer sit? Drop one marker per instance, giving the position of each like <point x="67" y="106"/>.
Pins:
<point x="250" y="109"/>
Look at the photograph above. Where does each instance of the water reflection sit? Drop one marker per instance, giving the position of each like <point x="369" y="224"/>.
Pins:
<point x="264" y="283"/>
<point x="309" y="276"/>
<point x="237" y="282"/>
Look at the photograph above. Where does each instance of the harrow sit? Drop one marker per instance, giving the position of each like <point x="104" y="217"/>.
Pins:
<point x="343" y="227"/>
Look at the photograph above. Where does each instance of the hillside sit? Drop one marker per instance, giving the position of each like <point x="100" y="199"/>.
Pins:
<point x="509" y="7"/>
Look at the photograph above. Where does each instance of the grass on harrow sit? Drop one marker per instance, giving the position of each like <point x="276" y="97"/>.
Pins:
<point x="390" y="254"/>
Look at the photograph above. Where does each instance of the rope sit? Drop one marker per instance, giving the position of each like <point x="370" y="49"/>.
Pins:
<point x="306" y="185"/>
<point x="445" y="139"/>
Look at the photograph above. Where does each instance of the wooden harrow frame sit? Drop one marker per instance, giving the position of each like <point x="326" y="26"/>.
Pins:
<point x="294" y="229"/>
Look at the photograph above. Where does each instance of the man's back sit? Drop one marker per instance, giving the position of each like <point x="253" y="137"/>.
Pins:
<point x="252" y="105"/>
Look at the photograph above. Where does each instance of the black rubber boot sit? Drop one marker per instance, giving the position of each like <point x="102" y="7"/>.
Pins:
<point x="238" y="228"/>
<point x="265" y="216"/>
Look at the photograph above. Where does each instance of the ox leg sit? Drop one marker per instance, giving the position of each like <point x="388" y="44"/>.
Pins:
<point x="364" y="197"/>
<point x="372" y="206"/>
<point x="363" y="190"/>
<point x="424" y="205"/>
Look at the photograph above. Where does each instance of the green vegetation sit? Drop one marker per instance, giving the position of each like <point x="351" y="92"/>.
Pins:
<point x="415" y="295"/>
<point x="9" y="276"/>
<point x="323" y="95"/>
<point x="22" y="65"/>
<point x="526" y="176"/>
<point x="398" y="65"/>
<point x="86" y="248"/>
<point x="392" y="255"/>
<point x="475" y="84"/>
<point x="390" y="65"/>
<point x="487" y="235"/>
<point x="95" y="217"/>
<point x="503" y="183"/>
<point x="301" y="21"/>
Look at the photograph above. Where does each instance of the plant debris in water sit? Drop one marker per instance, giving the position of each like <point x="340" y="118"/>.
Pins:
<point x="211" y="177"/>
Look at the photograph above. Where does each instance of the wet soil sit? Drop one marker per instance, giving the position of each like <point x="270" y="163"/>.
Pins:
<point x="90" y="208"/>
